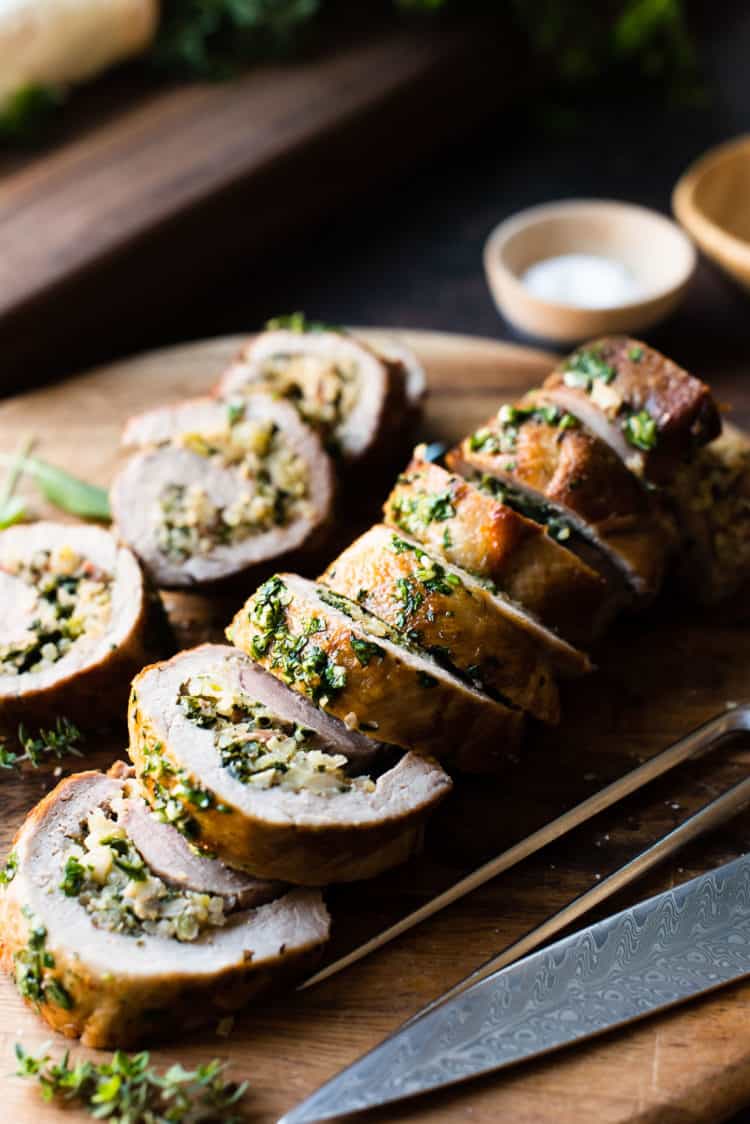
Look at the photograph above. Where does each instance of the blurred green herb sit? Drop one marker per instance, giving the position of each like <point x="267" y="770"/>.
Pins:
<point x="581" y="38"/>
<point x="63" y="740"/>
<point x="579" y="41"/>
<point x="215" y="38"/>
<point x="127" y="1090"/>
<point x="61" y="489"/>
<point x="298" y="322"/>
<point x="28" y="112"/>
<point x="585" y="40"/>
<point x="12" y="507"/>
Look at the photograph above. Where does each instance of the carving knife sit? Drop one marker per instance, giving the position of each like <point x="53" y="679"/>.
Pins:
<point x="699" y="741"/>
<point x="662" y="952"/>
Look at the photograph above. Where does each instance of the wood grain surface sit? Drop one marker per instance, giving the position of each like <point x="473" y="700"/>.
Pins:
<point x="152" y="188"/>
<point x="659" y="675"/>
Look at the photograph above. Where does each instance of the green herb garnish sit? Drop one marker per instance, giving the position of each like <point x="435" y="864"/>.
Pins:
<point x="31" y="967"/>
<point x="641" y="431"/>
<point x="26" y="114"/>
<point x="509" y="421"/>
<point x="297" y="657"/>
<point x="298" y="322"/>
<point x="635" y="354"/>
<point x="127" y="1090"/>
<point x="8" y="873"/>
<point x="54" y="744"/>
<point x="409" y="598"/>
<point x="584" y="367"/>
<point x="365" y="650"/>
<point x="414" y="513"/>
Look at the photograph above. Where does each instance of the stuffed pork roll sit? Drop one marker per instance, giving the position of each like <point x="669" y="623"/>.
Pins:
<point x="217" y="490"/>
<point x="268" y="781"/>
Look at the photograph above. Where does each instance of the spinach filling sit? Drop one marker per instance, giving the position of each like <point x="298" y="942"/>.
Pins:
<point x="256" y="746"/>
<point x="530" y="506"/>
<point x="272" y="488"/>
<point x="432" y="578"/>
<point x="108" y="876"/>
<point x="70" y="600"/>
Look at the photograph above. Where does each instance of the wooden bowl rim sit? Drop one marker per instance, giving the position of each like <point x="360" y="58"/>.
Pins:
<point x="496" y="269"/>
<point x="716" y="237"/>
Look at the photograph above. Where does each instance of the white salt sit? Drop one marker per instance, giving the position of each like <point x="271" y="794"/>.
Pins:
<point x="582" y="280"/>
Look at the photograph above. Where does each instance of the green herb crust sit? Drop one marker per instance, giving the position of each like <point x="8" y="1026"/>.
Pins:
<point x="32" y="968"/>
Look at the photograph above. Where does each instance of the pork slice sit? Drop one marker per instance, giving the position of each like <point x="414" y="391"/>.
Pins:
<point x="136" y="491"/>
<point x="169" y="855"/>
<point x="682" y="407"/>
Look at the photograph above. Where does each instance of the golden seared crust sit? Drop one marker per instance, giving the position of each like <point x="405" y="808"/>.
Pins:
<point x="391" y="577"/>
<point x="607" y="382"/>
<point x="359" y="674"/>
<point x="295" y="837"/>
<point x="470" y="529"/>
<point x="145" y="991"/>
<point x="548" y="455"/>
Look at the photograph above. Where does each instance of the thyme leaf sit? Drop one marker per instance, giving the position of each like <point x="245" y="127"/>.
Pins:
<point x="62" y="740"/>
<point x="128" y="1090"/>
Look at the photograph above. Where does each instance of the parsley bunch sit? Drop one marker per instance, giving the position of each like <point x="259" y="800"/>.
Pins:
<point x="127" y="1090"/>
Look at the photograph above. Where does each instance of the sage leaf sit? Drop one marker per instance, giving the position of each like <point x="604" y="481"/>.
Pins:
<point x="67" y="492"/>
<point x="12" y="511"/>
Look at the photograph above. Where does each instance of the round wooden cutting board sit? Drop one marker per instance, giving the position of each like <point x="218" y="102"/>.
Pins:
<point x="657" y="677"/>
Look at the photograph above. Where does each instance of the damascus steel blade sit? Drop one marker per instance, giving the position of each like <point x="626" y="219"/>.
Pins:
<point x="664" y="951"/>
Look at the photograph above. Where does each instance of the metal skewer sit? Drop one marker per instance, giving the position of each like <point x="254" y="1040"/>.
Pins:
<point x="709" y="817"/>
<point x="699" y="741"/>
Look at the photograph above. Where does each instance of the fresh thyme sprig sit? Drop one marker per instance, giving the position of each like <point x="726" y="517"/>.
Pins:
<point x="127" y="1090"/>
<point x="62" y="740"/>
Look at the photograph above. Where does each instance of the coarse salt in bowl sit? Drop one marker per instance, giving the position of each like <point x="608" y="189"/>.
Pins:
<point x="579" y="268"/>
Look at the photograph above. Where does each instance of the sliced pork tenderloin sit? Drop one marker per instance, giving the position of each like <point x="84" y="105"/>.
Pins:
<point x="246" y="766"/>
<point x="217" y="490"/>
<point x="371" y="676"/>
<point x="77" y="621"/>
<point x="108" y="950"/>
<point x="452" y="615"/>
<point x="458" y="522"/>
<point x="356" y="395"/>
<point x="542" y="461"/>
<point x="649" y="410"/>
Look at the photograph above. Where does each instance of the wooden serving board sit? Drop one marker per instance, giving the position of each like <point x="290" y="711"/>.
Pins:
<point x="658" y="676"/>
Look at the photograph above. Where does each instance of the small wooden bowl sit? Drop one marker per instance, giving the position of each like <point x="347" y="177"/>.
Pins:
<point x="655" y="250"/>
<point x="712" y="201"/>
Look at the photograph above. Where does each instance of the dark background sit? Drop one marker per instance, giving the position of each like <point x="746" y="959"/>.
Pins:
<point x="410" y="255"/>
